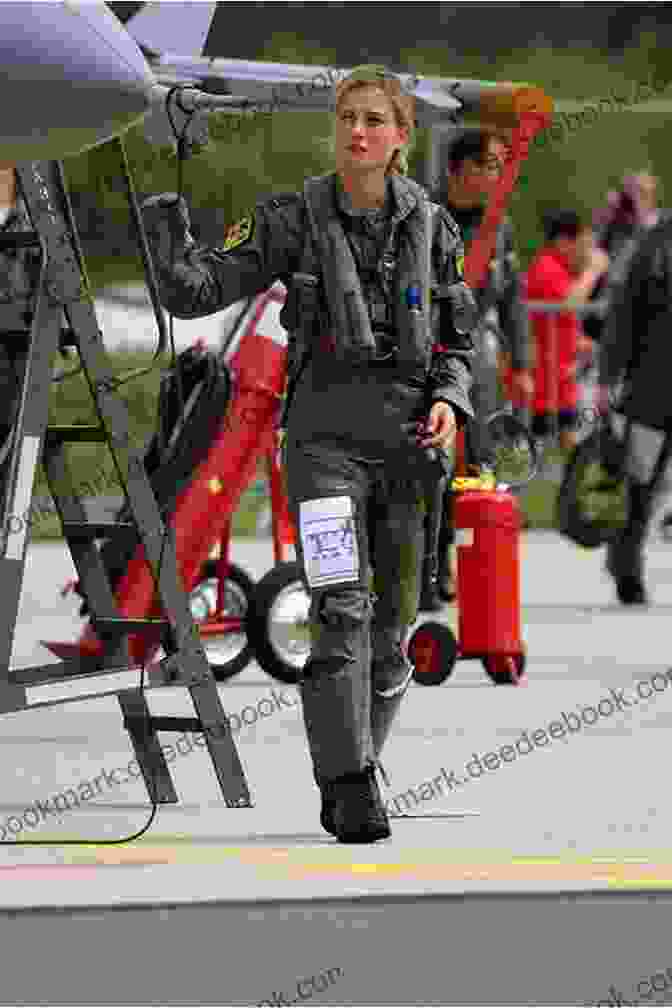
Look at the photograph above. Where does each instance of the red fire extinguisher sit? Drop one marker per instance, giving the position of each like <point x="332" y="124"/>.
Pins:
<point x="487" y="536"/>
<point x="487" y="530"/>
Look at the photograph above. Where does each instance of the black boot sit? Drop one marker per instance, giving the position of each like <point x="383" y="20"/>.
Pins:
<point x="625" y="552"/>
<point x="327" y="810"/>
<point x="328" y="800"/>
<point x="356" y="810"/>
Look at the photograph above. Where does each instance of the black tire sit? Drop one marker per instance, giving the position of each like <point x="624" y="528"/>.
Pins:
<point x="284" y="580"/>
<point x="241" y="588"/>
<point x="506" y="670"/>
<point x="585" y="475"/>
<point x="432" y="650"/>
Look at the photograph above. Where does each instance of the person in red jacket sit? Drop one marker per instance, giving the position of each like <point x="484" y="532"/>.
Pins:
<point x="567" y="268"/>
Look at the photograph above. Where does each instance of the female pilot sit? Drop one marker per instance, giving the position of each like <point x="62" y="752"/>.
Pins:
<point x="380" y="349"/>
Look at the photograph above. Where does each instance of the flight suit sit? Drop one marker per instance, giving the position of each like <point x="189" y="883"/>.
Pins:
<point x="354" y="479"/>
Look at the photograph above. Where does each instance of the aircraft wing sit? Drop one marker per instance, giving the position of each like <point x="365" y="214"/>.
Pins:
<point x="248" y="84"/>
<point x="176" y="29"/>
<point x="279" y="86"/>
<point x="173" y="38"/>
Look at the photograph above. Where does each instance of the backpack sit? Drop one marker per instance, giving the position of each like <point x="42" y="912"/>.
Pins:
<point x="200" y="383"/>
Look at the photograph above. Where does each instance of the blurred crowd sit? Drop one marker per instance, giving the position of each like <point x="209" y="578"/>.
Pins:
<point x="580" y="266"/>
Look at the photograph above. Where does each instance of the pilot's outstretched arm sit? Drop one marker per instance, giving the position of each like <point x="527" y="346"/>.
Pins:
<point x="194" y="280"/>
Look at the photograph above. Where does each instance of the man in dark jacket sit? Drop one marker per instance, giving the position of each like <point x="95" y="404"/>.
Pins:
<point x="636" y="359"/>
<point x="475" y="161"/>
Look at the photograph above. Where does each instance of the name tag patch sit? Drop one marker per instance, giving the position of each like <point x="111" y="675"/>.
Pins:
<point x="329" y="541"/>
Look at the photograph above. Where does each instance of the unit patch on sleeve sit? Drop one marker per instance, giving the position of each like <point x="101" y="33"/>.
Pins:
<point x="459" y="263"/>
<point x="238" y="233"/>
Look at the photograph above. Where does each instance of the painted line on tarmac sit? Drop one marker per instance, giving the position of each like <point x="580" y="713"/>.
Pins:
<point x="39" y="870"/>
<point x="625" y="871"/>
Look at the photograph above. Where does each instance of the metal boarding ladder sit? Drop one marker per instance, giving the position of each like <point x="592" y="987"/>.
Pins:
<point x="63" y="315"/>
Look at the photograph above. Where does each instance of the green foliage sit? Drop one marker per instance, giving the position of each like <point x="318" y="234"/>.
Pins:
<point x="249" y="157"/>
<point x="91" y="466"/>
<point x="576" y="169"/>
<point x="71" y="403"/>
<point x="94" y="473"/>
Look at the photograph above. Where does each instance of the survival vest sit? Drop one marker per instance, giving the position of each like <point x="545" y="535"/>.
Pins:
<point x="345" y="326"/>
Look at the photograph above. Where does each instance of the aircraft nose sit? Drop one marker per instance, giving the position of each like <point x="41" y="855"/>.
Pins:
<point x="72" y="78"/>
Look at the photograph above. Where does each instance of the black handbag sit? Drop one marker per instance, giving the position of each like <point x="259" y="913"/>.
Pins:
<point x="591" y="507"/>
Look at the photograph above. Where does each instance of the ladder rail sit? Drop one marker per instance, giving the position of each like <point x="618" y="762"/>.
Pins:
<point x="63" y="292"/>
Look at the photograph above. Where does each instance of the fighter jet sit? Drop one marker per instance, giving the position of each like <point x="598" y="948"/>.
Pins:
<point x="72" y="77"/>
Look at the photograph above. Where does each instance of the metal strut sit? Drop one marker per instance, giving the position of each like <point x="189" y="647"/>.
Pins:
<point x="64" y="314"/>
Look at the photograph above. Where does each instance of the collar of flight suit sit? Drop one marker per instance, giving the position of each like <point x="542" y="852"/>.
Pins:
<point x="400" y="199"/>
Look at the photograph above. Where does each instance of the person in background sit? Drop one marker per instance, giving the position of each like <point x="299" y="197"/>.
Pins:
<point x="566" y="269"/>
<point x="475" y="162"/>
<point x="630" y="214"/>
<point x="634" y="371"/>
<point x="18" y="274"/>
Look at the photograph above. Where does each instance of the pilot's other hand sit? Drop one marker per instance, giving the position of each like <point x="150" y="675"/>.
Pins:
<point x="440" y="428"/>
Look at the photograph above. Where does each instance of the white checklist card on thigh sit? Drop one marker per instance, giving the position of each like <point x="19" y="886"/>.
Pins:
<point x="329" y="541"/>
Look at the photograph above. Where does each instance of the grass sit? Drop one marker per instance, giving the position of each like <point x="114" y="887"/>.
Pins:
<point x="113" y="272"/>
<point x="48" y="527"/>
<point x="92" y="469"/>
<point x="537" y="503"/>
<point x="94" y="475"/>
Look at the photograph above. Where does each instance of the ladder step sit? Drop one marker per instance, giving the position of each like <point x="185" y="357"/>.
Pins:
<point x="95" y="529"/>
<point x="128" y="625"/>
<point x="166" y="723"/>
<point x="78" y="432"/>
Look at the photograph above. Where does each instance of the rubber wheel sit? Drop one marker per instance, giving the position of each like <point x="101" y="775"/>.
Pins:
<point x="591" y="504"/>
<point x="505" y="670"/>
<point x="278" y="623"/>
<point x="432" y="650"/>
<point x="238" y="595"/>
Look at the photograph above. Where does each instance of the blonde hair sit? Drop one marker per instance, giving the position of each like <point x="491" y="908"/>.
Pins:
<point x="402" y="104"/>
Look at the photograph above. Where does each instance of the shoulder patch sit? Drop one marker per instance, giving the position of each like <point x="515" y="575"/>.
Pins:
<point x="459" y="265"/>
<point x="238" y="233"/>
